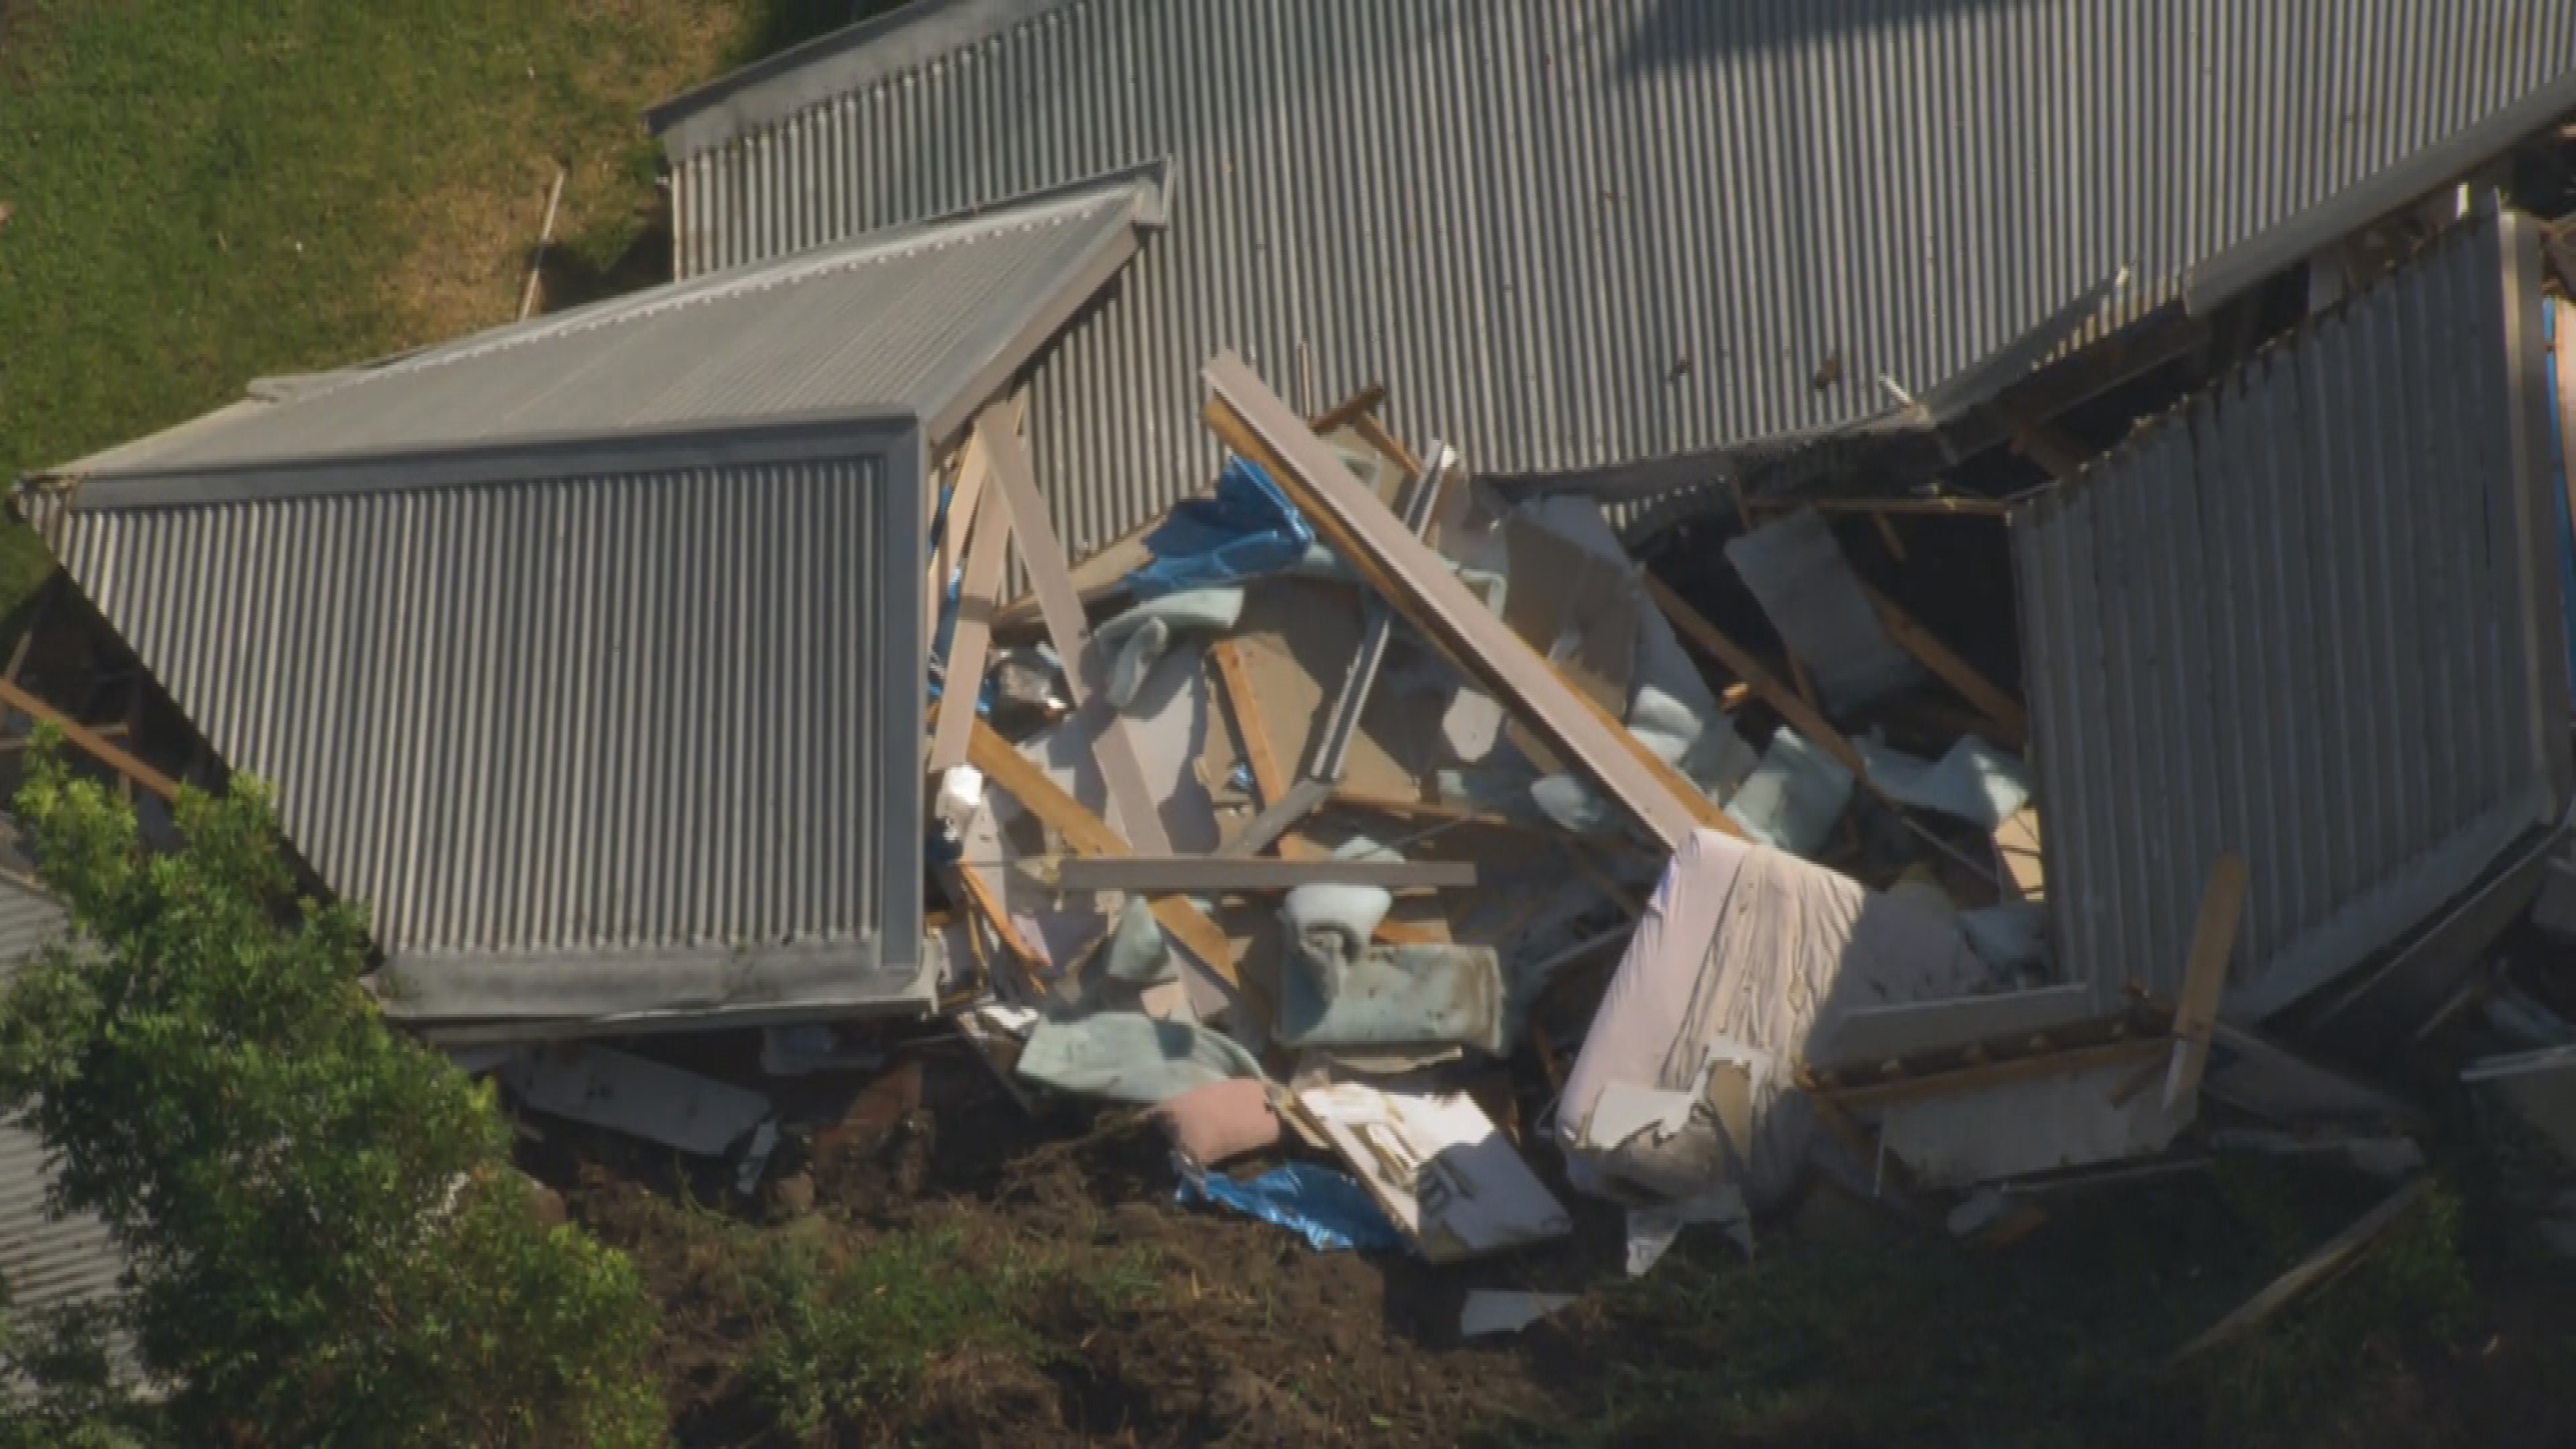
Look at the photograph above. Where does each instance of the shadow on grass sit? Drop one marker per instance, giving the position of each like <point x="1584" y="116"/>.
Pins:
<point x="2063" y="1340"/>
<point x="776" y="25"/>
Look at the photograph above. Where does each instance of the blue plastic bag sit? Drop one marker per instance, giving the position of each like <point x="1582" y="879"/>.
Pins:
<point x="1330" y="1211"/>
<point x="1246" y="529"/>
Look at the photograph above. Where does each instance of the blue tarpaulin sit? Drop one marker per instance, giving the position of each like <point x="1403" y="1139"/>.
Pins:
<point x="1245" y="529"/>
<point x="1330" y="1211"/>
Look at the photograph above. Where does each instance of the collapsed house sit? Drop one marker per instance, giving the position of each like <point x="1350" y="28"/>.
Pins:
<point x="646" y="666"/>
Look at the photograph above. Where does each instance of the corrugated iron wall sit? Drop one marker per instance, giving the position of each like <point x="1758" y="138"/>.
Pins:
<point x="600" y="716"/>
<point x="47" y="1262"/>
<point x="2311" y="618"/>
<point x="1571" y="236"/>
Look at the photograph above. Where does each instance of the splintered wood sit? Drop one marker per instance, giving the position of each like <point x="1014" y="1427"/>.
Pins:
<point x="1419" y="585"/>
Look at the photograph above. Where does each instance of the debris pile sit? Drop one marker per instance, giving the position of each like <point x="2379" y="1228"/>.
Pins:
<point x="1415" y="843"/>
<point x="1435" y="863"/>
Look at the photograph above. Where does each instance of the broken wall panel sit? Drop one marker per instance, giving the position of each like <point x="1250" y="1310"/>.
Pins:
<point x="2311" y="617"/>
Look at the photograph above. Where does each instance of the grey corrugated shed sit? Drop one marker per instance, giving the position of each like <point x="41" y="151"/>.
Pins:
<point x="1573" y="237"/>
<point x="589" y="653"/>
<point x="2312" y="618"/>
<point x="48" y="1262"/>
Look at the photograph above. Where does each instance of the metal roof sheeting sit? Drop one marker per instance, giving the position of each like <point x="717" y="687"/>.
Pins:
<point x="925" y="321"/>
<point x="588" y="653"/>
<point x="585" y="746"/>
<point x="2312" y="618"/>
<point x="47" y="1262"/>
<point x="1577" y="237"/>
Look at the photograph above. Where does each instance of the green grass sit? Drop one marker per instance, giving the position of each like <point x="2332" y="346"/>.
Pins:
<point x="203" y="194"/>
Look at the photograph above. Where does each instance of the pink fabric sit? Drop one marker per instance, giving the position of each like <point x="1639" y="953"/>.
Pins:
<point x="1220" y="1120"/>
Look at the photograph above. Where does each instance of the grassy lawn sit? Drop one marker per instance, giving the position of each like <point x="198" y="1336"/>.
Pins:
<point x="197" y="195"/>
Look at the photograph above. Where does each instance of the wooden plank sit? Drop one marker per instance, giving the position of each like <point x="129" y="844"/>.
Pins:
<point x="1863" y="1095"/>
<point x="964" y="499"/>
<point x="1234" y="676"/>
<point x="1020" y="778"/>
<point x="2204" y="977"/>
<point x="2011" y="722"/>
<point x="1351" y="409"/>
<point x="1420" y="585"/>
<point x="88" y="741"/>
<point x="1033" y="535"/>
<point x="1887" y="535"/>
<point x="980" y="901"/>
<point x="1278" y="818"/>
<point x="1746" y="666"/>
<point x="2042" y="442"/>
<point x="2023" y="874"/>
<point x="2338" y="1253"/>
<point x="969" y="645"/>
<point x="1202" y="873"/>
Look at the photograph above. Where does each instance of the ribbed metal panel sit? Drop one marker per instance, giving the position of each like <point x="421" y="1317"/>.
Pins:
<point x="902" y="323"/>
<point x="2310" y="618"/>
<point x="46" y="1262"/>
<point x="602" y="744"/>
<point x="1576" y="236"/>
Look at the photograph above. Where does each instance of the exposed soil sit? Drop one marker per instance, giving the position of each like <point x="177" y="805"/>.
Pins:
<point x="1247" y="1336"/>
<point x="1238" y="1333"/>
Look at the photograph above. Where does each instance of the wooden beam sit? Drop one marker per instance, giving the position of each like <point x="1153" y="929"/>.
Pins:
<point x="1864" y="1095"/>
<point x="980" y="902"/>
<point x="1234" y="677"/>
<point x="1019" y="777"/>
<point x="963" y="501"/>
<point x="1745" y="665"/>
<point x="970" y="644"/>
<point x="1203" y="873"/>
<point x="1350" y="409"/>
<point x="2338" y="1253"/>
<point x="1419" y="584"/>
<point x="88" y="741"/>
<point x="1033" y="535"/>
<point x="2011" y="722"/>
<point x="2042" y="443"/>
<point x="2204" y="977"/>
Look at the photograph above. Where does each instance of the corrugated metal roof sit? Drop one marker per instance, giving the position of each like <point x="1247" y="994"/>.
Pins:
<point x="47" y="1262"/>
<point x="924" y="321"/>
<point x="1577" y="237"/>
<point x="585" y="746"/>
<point x="2312" y="618"/>
<point x="588" y="653"/>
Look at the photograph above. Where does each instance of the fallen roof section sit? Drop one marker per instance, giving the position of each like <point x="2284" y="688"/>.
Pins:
<point x="2311" y="618"/>
<point x="1608" y="237"/>
<point x="588" y="653"/>
<point x="922" y="322"/>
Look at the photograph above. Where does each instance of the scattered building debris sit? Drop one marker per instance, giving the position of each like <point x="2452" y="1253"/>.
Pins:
<point x="824" y="643"/>
<point x="1490" y="1311"/>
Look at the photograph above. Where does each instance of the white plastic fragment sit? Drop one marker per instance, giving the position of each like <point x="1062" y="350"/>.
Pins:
<point x="1490" y="1311"/>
